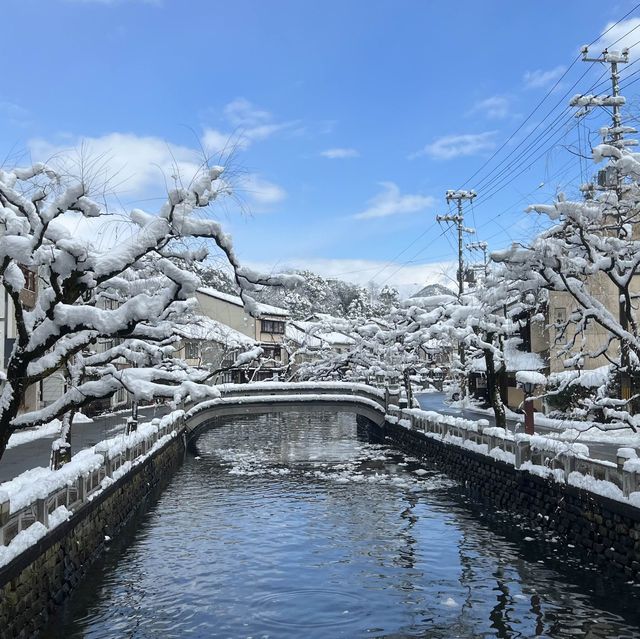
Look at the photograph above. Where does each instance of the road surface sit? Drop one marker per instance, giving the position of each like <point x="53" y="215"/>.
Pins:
<point x="436" y="402"/>
<point x="36" y="453"/>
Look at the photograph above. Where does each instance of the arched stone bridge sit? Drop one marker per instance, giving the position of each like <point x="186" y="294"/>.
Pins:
<point x="268" y="397"/>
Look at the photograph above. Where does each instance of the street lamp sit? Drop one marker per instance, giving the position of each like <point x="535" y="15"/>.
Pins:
<point x="528" y="380"/>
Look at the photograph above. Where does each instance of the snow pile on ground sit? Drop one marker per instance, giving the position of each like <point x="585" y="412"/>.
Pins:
<point x="24" y="436"/>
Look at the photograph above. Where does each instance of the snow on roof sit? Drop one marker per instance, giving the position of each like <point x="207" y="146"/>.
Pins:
<point x="516" y="359"/>
<point x="207" y="329"/>
<point x="591" y="378"/>
<point x="296" y="332"/>
<point x="302" y="332"/>
<point x="263" y="309"/>
<point x="531" y="377"/>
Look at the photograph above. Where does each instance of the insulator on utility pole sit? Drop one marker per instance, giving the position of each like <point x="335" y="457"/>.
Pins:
<point x="484" y="247"/>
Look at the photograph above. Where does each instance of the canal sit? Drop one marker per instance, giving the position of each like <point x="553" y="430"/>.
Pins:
<point x="291" y="525"/>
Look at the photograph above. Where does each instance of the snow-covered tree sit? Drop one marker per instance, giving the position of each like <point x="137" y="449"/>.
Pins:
<point x="108" y="316"/>
<point x="384" y="349"/>
<point x="388" y="298"/>
<point x="591" y="256"/>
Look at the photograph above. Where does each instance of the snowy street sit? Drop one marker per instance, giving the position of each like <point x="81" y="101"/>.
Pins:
<point x="38" y="451"/>
<point x="601" y="446"/>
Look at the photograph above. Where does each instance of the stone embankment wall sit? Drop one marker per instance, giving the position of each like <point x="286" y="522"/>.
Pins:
<point x="35" y="584"/>
<point x="606" y="529"/>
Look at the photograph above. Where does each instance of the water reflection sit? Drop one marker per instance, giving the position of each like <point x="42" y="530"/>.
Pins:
<point x="289" y="526"/>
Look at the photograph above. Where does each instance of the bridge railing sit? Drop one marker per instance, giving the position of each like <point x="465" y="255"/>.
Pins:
<point x="288" y="390"/>
<point x="303" y="388"/>
<point x="38" y="497"/>
<point x="563" y="461"/>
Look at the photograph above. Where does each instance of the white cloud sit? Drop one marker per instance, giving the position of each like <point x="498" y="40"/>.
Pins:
<point x="539" y="79"/>
<point x="215" y="141"/>
<point x="248" y="124"/>
<point x="339" y="153"/>
<point x="496" y="107"/>
<point x="132" y="164"/>
<point x="623" y="35"/>
<point x="391" y="202"/>
<point x="143" y="166"/>
<point x="14" y="113"/>
<point x="241" y="112"/>
<point x="407" y="278"/>
<point x="455" y="146"/>
<point x="259" y="192"/>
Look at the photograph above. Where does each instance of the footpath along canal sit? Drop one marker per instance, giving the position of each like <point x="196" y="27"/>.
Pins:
<point x="293" y="525"/>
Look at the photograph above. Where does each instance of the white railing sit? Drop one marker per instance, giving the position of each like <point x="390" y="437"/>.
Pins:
<point x="541" y="455"/>
<point x="78" y="482"/>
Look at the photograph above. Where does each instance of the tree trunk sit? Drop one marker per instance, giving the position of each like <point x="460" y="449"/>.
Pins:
<point x="493" y="388"/>
<point x="61" y="447"/>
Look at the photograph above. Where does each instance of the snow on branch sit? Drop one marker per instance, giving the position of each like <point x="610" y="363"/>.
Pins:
<point x="111" y="308"/>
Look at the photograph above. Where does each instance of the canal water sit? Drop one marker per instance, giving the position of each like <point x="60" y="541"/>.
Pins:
<point x="291" y="526"/>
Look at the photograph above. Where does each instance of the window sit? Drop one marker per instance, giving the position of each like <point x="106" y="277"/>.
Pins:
<point x="191" y="350"/>
<point x="272" y="326"/>
<point x="559" y="315"/>
<point x="272" y="352"/>
<point x="110" y="304"/>
<point x="29" y="279"/>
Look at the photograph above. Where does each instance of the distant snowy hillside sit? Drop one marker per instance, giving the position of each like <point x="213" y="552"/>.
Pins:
<point x="433" y="289"/>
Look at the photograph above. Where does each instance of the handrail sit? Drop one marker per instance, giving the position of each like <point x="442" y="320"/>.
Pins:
<point x="88" y="473"/>
<point x="549" y="457"/>
<point x="71" y="487"/>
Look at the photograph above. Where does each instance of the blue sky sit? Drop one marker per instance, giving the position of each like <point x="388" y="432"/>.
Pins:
<point x="342" y="122"/>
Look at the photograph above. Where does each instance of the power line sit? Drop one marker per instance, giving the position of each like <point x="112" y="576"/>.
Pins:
<point x="492" y="183"/>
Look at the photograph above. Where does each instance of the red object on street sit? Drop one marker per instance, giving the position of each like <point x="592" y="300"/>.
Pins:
<point x="528" y="416"/>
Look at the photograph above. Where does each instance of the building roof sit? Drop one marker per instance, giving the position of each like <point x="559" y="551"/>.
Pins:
<point x="209" y="330"/>
<point x="300" y="332"/>
<point x="263" y="309"/>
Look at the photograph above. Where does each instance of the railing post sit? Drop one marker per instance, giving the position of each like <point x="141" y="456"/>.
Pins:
<point x="42" y="512"/>
<point x="82" y="488"/>
<point x="629" y="478"/>
<point x="569" y="462"/>
<point x="102" y="449"/>
<point x="5" y="512"/>
<point x="523" y="453"/>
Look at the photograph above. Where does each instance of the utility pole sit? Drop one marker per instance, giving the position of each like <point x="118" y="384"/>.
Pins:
<point x="615" y="137"/>
<point x="458" y="197"/>
<point x="481" y="246"/>
<point x="458" y="219"/>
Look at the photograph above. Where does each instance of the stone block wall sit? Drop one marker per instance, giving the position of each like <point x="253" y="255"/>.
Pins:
<point x="36" y="583"/>
<point x="607" y="531"/>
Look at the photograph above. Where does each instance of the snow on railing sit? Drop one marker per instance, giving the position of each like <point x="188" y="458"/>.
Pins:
<point x="563" y="462"/>
<point x="265" y="392"/>
<point x="40" y="499"/>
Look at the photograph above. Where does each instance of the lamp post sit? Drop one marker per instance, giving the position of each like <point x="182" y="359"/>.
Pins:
<point x="528" y="387"/>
